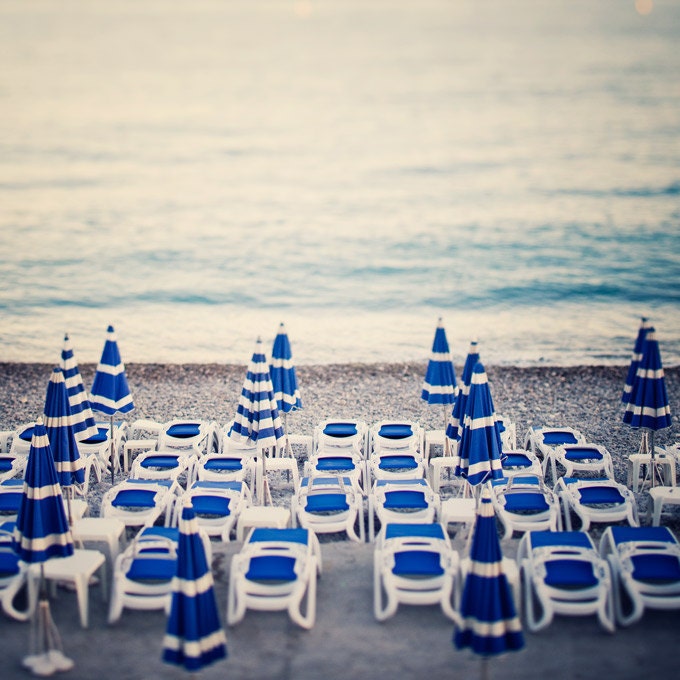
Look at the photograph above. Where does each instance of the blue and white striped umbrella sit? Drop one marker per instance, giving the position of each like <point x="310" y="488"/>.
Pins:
<point x="110" y="392"/>
<point x="635" y="360"/>
<point x="59" y="426"/>
<point x="42" y="530"/>
<point x="478" y="457"/>
<point x="194" y="636"/>
<point x="648" y="407"/>
<point x="455" y="424"/>
<point x="439" y="386"/>
<point x="84" y="425"/>
<point x="490" y="624"/>
<point x="257" y="416"/>
<point x="283" y="375"/>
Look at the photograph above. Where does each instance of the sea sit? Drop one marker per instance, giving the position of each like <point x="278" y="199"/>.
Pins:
<point x="196" y="172"/>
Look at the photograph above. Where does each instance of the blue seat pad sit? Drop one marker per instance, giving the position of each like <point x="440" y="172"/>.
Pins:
<point x="271" y="568"/>
<point x="395" y="431"/>
<point x="232" y="464"/>
<point x="216" y="484"/>
<point x="515" y="460"/>
<point x="9" y="563"/>
<point x="27" y="434"/>
<point x="397" y="462"/>
<point x="165" y="532"/>
<point x="526" y="502"/>
<point x="297" y="535"/>
<point x="397" y="530"/>
<point x="575" y="539"/>
<point x="554" y="438"/>
<point x="211" y="505"/>
<point x="626" y="534"/>
<point x="651" y="567"/>
<point x="595" y="495"/>
<point x="335" y="463"/>
<point x="149" y="569"/>
<point x="417" y="563"/>
<point x="340" y="429"/>
<point x="6" y="464"/>
<point x="405" y="499"/>
<point x="583" y="453"/>
<point x="166" y="462"/>
<point x="570" y="574"/>
<point x="134" y="498"/>
<point x="327" y="502"/>
<point x="184" y="430"/>
<point x="10" y="501"/>
<point x="99" y="438"/>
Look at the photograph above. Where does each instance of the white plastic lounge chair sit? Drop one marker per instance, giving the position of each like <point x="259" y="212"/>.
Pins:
<point x="645" y="565"/>
<point x="347" y="461"/>
<point x="13" y="576"/>
<point x="392" y="435"/>
<point x="142" y="435"/>
<point x="518" y="462"/>
<point x="11" y="466"/>
<point x="401" y="501"/>
<point x="543" y="441"/>
<point x="596" y="500"/>
<point x="199" y="435"/>
<point x="524" y="503"/>
<point x="329" y="505"/>
<point x="217" y="506"/>
<point x="162" y="464"/>
<point x="562" y="573"/>
<point x="11" y="491"/>
<point x="140" y="502"/>
<point x="578" y="458"/>
<point x="225" y="467"/>
<point x="508" y="431"/>
<point x="96" y="450"/>
<point x="413" y="564"/>
<point x="276" y="570"/>
<point x="341" y="434"/>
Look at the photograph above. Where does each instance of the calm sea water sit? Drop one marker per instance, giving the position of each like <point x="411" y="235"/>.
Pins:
<point x="195" y="172"/>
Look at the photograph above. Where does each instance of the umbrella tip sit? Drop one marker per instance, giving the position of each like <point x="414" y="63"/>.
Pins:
<point x="109" y="329"/>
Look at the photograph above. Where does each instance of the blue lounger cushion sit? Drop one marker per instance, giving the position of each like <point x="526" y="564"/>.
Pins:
<point x="271" y="568"/>
<point x="397" y="530"/>
<point x="418" y="563"/>
<point x="10" y="502"/>
<point x="405" y="500"/>
<point x="625" y="534"/>
<point x="134" y="498"/>
<point x="6" y="464"/>
<point x="327" y="502"/>
<point x="600" y="495"/>
<point x="334" y="463"/>
<point x="555" y="438"/>
<point x="9" y="563"/>
<point x="27" y="434"/>
<point x="171" y="533"/>
<point x="660" y="568"/>
<point x="583" y="453"/>
<point x="397" y="463"/>
<point x="395" y="431"/>
<point x="216" y="484"/>
<point x="340" y="429"/>
<point x="211" y="505"/>
<point x="165" y="462"/>
<point x="526" y="502"/>
<point x="296" y="535"/>
<point x="574" y="539"/>
<point x="224" y="464"/>
<point x="515" y="460"/>
<point x="570" y="574"/>
<point x="149" y="569"/>
<point x="99" y="438"/>
<point x="184" y="430"/>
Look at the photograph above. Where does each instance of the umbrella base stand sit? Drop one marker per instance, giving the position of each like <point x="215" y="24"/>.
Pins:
<point x="46" y="655"/>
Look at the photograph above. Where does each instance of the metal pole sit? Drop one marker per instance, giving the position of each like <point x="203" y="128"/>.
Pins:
<point x="111" y="445"/>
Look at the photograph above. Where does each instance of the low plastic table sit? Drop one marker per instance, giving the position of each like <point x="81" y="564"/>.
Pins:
<point x="262" y="516"/>
<point x="106" y="530"/>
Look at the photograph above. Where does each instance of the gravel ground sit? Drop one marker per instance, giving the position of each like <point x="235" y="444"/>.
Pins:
<point x="584" y="397"/>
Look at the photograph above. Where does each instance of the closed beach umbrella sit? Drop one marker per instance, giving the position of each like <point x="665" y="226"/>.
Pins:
<point x="282" y="369"/>
<point x="489" y="621"/>
<point x="284" y="380"/>
<point x="59" y="427"/>
<point x="439" y="386"/>
<point x="257" y="418"/>
<point x="479" y="450"/>
<point x="42" y="532"/>
<point x="455" y="424"/>
<point x="648" y="407"/>
<point x="194" y="636"/>
<point x="110" y="392"/>
<point x="84" y="425"/>
<point x="635" y="360"/>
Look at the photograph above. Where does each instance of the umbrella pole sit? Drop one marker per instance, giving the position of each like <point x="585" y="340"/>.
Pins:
<point x="484" y="669"/>
<point x="111" y="446"/>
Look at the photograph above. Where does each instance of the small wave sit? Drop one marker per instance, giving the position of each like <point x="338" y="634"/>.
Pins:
<point x="672" y="189"/>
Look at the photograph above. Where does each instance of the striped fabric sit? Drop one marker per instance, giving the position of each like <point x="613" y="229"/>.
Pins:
<point x="59" y="427"/>
<point x="490" y="624"/>
<point x="42" y="529"/>
<point x="455" y="424"/>
<point x="439" y="386"/>
<point x="478" y="457"/>
<point x="194" y="636"/>
<point x="84" y="425"/>
<point x="257" y="416"/>
<point x="110" y="392"/>
<point x="635" y="360"/>
<point x="282" y="369"/>
<point x="648" y="406"/>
